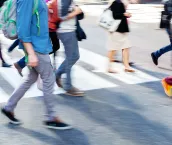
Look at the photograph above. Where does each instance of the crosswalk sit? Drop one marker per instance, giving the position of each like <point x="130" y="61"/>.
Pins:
<point x="141" y="13"/>
<point x="84" y="78"/>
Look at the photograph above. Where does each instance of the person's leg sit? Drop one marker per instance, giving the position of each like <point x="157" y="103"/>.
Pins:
<point x="72" y="55"/>
<point x="20" y="65"/>
<point x="15" y="44"/>
<point x="19" y="93"/>
<point x="155" y="55"/>
<point x="125" y="54"/>
<point x="47" y="75"/>
<point x="55" y="41"/>
<point x="8" y="110"/>
<point x="163" y="50"/>
<point x="111" y="55"/>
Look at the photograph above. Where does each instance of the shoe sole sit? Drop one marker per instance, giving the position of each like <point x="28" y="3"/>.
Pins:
<point x="79" y="95"/>
<point x="59" y="128"/>
<point x="129" y="71"/>
<point x="15" y="123"/>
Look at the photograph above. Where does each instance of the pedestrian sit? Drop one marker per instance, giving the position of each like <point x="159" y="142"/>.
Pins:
<point x="37" y="46"/>
<point x="119" y="40"/>
<point x="165" y="23"/>
<point x="67" y="35"/>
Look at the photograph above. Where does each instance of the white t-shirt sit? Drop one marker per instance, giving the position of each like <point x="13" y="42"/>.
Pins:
<point x="69" y="25"/>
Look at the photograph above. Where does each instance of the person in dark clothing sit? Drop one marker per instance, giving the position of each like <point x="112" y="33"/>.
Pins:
<point x="119" y="40"/>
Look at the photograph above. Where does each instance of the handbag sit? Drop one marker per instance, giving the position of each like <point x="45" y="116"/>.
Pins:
<point x="80" y="34"/>
<point x="165" y="20"/>
<point x="108" y="22"/>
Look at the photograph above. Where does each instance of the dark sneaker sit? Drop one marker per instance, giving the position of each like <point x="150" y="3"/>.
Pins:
<point x="75" y="92"/>
<point x="18" y="68"/>
<point x="5" y="65"/>
<point x="59" y="82"/>
<point x="57" y="125"/>
<point x="11" y="117"/>
<point x="154" y="59"/>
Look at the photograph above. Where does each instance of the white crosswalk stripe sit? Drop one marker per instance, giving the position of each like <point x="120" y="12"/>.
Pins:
<point x="141" y="13"/>
<point x="82" y="77"/>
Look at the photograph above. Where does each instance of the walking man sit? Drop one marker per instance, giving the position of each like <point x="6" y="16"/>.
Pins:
<point x="38" y="47"/>
<point x="67" y="35"/>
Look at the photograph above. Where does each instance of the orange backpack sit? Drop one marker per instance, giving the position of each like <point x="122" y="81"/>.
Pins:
<point x="54" y="19"/>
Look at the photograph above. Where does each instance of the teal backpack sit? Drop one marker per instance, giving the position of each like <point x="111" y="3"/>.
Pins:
<point x="8" y="18"/>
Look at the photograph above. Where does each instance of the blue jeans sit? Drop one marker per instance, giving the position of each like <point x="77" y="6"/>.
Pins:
<point x="15" y="44"/>
<point x="165" y="49"/>
<point x="70" y="43"/>
<point x="22" y="62"/>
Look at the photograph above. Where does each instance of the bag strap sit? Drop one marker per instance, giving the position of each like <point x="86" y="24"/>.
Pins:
<point x="35" y="12"/>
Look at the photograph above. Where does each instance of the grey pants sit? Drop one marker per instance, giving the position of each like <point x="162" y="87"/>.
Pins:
<point x="45" y="70"/>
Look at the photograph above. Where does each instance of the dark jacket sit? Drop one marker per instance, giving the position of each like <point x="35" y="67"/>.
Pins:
<point x="118" y="10"/>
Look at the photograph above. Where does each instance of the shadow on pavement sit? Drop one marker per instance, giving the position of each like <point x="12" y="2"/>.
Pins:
<point x="68" y="137"/>
<point x="46" y="139"/>
<point x="72" y="137"/>
<point x="129" y="124"/>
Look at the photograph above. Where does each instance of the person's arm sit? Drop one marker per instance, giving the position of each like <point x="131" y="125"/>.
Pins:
<point x="24" y="18"/>
<point x="73" y="14"/>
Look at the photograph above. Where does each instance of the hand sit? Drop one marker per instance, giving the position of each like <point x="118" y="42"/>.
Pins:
<point x="128" y="15"/>
<point x="50" y="10"/>
<point x="32" y="60"/>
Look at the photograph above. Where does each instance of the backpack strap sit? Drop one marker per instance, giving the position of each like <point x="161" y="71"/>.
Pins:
<point x="6" y="13"/>
<point x="35" y="12"/>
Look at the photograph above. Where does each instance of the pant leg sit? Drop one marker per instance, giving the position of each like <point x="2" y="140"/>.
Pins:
<point x="165" y="49"/>
<point x="22" y="62"/>
<point x="70" y="43"/>
<point x="15" y="44"/>
<point x="55" y="41"/>
<point x="47" y="75"/>
<point x="19" y="93"/>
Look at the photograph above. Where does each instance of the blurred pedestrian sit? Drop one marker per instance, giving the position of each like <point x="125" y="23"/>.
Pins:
<point x="119" y="40"/>
<point x="67" y="35"/>
<point x="165" y="23"/>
